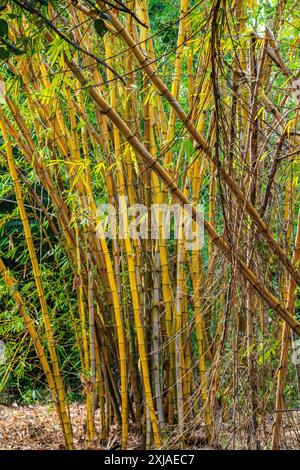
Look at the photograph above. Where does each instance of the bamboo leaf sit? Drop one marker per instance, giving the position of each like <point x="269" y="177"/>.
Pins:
<point x="3" y="28"/>
<point x="100" y="27"/>
<point x="3" y="5"/>
<point x="44" y="2"/>
<point x="14" y="49"/>
<point x="4" y="53"/>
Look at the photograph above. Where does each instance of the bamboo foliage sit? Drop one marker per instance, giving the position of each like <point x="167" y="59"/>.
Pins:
<point x="101" y="118"/>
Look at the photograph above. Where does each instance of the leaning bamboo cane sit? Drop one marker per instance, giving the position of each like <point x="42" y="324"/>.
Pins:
<point x="273" y="302"/>
<point x="29" y="324"/>
<point x="203" y="145"/>
<point x="37" y="277"/>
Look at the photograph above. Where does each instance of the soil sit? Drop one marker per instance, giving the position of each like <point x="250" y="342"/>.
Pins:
<point x="36" y="427"/>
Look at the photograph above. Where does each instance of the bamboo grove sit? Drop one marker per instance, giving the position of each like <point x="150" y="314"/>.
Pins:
<point x="170" y="344"/>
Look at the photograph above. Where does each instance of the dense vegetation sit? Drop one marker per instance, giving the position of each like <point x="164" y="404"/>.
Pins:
<point x="161" y="102"/>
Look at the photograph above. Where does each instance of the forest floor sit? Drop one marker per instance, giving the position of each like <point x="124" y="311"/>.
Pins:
<point x="36" y="427"/>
